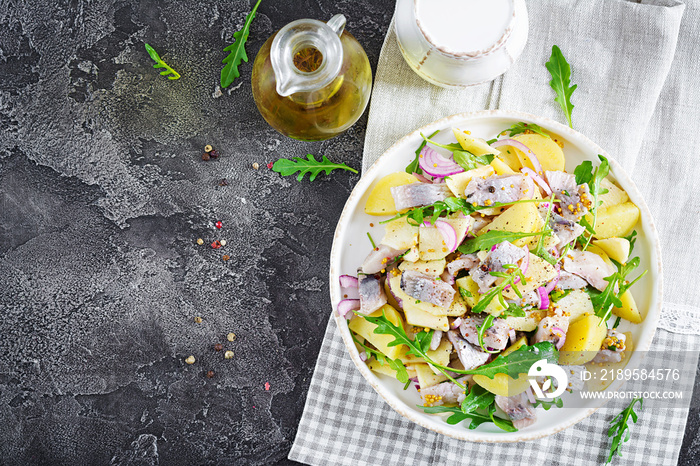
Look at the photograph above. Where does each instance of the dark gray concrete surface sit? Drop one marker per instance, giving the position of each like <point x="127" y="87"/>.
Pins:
<point x="102" y="197"/>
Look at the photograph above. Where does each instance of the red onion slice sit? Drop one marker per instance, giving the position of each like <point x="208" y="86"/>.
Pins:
<point x="562" y="336"/>
<point x="448" y="234"/>
<point x="526" y="150"/>
<point x="538" y="179"/>
<point x="436" y="165"/>
<point x="456" y="323"/>
<point x="348" y="281"/>
<point x="525" y="263"/>
<point x="346" y="306"/>
<point x="544" y="297"/>
<point x="550" y="286"/>
<point x="363" y="356"/>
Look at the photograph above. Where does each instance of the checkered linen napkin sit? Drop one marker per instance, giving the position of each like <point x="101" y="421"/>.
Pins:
<point x="638" y="102"/>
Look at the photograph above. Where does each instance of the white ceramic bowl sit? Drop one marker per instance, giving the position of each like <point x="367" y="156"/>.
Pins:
<point x="351" y="246"/>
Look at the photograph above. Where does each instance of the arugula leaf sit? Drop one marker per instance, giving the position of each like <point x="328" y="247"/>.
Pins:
<point x="584" y="172"/>
<point x="620" y="425"/>
<point x="594" y="185"/>
<point x="548" y="404"/>
<point x="561" y="76"/>
<point x="632" y="238"/>
<point x="286" y="167"/>
<point x="493" y="237"/>
<point x="604" y="301"/>
<point x="521" y="127"/>
<point x="556" y="296"/>
<point x="465" y="293"/>
<point x="401" y="372"/>
<point x="481" y="329"/>
<point x="161" y="64"/>
<point x="374" y="246"/>
<point x="513" y="310"/>
<point x="475" y="419"/>
<point x="513" y="272"/>
<point x="519" y="361"/>
<point x="414" y="167"/>
<point x="462" y="157"/>
<point x="540" y="250"/>
<point x="478" y="398"/>
<point x="237" y="51"/>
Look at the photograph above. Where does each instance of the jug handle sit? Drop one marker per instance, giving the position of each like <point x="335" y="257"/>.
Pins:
<point x="337" y="24"/>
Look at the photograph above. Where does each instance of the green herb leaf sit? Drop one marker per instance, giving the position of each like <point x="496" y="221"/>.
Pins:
<point x="632" y="238"/>
<point x="513" y="311"/>
<point x="161" y="64"/>
<point x="465" y="293"/>
<point x="556" y="296"/>
<point x="540" y="250"/>
<point x="463" y="158"/>
<point x="584" y="172"/>
<point x="521" y="127"/>
<point x="475" y="419"/>
<point x="604" y="301"/>
<point x="481" y="329"/>
<point x="519" y="361"/>
<point x="286" y="167"/>
<point x="374" y="246"/>
<point x="237" y="51"/>
<point x="561" y="75"/>
<point x="504" y="424"/>
<point x="493" y="237"/>
<point x="401" y="372"/>
<point x="548" y="404"/>
<point x="478" y="398"/>
<point x="594" y="185"/>
<point x="414" y="167"/>
<point x="620" y="424"/>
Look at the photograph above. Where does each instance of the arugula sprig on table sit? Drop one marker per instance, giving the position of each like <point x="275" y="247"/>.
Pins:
<point x="461" y="157"/>
<point x="161" y="64"/>
<point x="237" y="51"/>
<point x="560" y="70"/>
<point x="620" y="427"/>
<point x="286" y="167"/>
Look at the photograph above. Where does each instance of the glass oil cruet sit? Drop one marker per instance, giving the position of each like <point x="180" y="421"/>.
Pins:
<point x="312" y="80"/>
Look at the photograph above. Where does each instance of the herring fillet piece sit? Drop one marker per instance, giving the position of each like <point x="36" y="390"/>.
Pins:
<point x="506" y="188"/>
<point x="371" y="291"/>
<point x="419" y="194"/>
<point x="496" y="337"/>
<point x="518" y="408"/>
<point x="564" y="187"/>
<point x="425" y="288"/>
<point x="378" y="258"/>
<point x="448" y="392"/>
<point x="589" y="266"/>
<point x="469" y="356"/>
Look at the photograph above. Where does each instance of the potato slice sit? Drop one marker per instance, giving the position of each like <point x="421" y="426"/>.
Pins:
<point x="503" y="384"/>
<point x="510" y="158"/>
<point x="614" y="196"/>
<point x="420" y="318"/>
<point x="522" y="341"/>
<point x="583" y="340"/>
<point x="548" y="152"/>
<point x="538" y="273"/>
<point x="426" y="376"/>
<point x="431" y="268"/>
<point x="431" y="244"/>
<point x="518" y="218"/>
<point x="441" y="355"/>
<point x="494" y="307"/>
<point x="473" y="145"/>
<point x="458" y="183"/>
<point x="615" y="248"/>
<point x="575" y="304"/>
<point x="501" y="167"/>
<point x="380" y="368"/>
<point x="527" y="323"/>
<point x="616" y="221"/>
<point x="399" y="234"/>
<point x="365" y="329"/>
<point x="629" y="310"/>
<point x="600" y="372"/>
<point x="380" y="200"/>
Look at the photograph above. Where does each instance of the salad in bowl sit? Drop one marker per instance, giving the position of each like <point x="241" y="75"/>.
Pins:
<point x="495" y="262"/>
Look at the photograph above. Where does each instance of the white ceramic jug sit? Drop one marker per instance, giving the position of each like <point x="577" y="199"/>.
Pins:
<point x="456" y="43"/>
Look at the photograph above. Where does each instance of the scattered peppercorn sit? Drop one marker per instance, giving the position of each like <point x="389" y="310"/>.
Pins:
<point x="256" y="165"/>
<point x="197" y="320"/>
<point x="216" y="245"/>
<point x="225" y="257"/>
<point x="218" y="347"/>
<point x="231" y="336"/>
<point x="208" y="148"/>
<point x="190" y="360"/>
<point x="228" y="355"/>
<point x="205" y="156"/>
<point x="223" y="182"/>
<point x="223" y="242"/>
<point x="210" y="374"/>
<point x="200" y="241"/>
<point x="267" y="386"/>
<point x="214" y="154"/>
<point x="269" y="165"/>
<point x="219" y="224"/>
